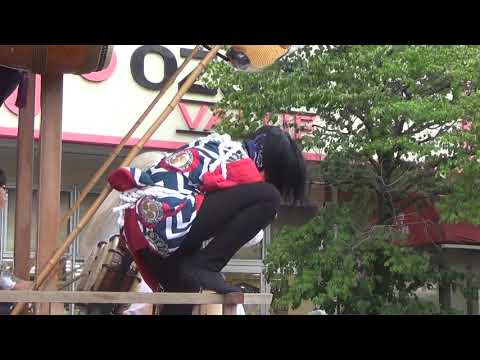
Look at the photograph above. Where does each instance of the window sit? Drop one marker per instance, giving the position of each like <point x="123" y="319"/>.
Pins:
<point x="84" y="249"/>
<point x="251" y="253"/>
<point x="8" y="233"/>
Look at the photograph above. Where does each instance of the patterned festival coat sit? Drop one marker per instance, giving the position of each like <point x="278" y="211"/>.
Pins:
<point x="160" y="204"/>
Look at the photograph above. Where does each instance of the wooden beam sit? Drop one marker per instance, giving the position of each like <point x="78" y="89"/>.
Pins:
<point x="197" y="310"/>
<point x="229" y="309"/>
<point x="234" y="298"/>
<point x="257" y="299"/>
<point x="105" y="297"/>
<point x="50" y="176"/>
<point x="24" y="192"/>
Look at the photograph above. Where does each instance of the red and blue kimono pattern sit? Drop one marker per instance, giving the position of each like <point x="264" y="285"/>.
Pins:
<point x="161" y="203"/>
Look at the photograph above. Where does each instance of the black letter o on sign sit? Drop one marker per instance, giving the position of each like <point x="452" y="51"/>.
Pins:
<point x="137" y="65"/>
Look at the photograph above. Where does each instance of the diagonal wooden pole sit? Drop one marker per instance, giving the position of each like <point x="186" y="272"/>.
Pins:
<point x="93" y="181"/>
<point x="131" y="155"/>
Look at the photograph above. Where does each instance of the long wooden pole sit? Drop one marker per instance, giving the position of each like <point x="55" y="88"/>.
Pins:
<point x="24" y="195"/>
<point x="93" y="181"/>
<point x="50" y="165"/>
<point x="131" y="155"/>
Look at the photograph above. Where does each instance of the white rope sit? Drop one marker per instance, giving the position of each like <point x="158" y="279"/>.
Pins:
<point x="226" y="148"/>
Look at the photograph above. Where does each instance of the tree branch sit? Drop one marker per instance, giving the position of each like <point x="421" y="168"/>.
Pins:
<point x="362" y="118"/>
<point x="374" y="164"/>
<point x="440" y="132"/>
<point x="443" y="85"/>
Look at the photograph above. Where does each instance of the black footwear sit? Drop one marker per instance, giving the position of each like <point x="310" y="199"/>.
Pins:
<point x="207" y="280"/>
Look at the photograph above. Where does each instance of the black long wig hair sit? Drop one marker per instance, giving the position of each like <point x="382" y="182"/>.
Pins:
<point x="281" y="158"/>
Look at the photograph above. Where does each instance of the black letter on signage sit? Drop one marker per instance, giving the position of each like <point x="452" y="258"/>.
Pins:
<point x="196" y="89"/>
<point x="137" y="65"/>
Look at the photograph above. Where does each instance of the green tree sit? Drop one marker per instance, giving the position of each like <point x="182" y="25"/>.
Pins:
<point x="345" y="270"/>
<point x="390" y="125"/>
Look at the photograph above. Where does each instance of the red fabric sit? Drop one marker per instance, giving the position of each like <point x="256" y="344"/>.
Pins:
<point x="136" y="244"/>
<point x="146" y="274"/>
<point x="121" y="179"/>
<point x="239" y="172"/>
<point x="199" y="201"/>
<point x="136" y="240"/>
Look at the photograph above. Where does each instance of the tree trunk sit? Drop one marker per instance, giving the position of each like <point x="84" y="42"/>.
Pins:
<point x="384" y="210"/>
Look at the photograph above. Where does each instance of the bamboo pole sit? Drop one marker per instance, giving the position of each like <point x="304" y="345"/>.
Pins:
<point x="93" y="181"/>
<point x="131" y="155"/>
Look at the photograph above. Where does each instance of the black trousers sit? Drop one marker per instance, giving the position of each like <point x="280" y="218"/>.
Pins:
<point x="232" y="217"/>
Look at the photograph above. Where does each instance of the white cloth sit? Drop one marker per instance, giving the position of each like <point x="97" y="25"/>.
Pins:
<point x="317" y="312"/>
<point x="140" y="309"/>
<point x="257" y="239"/>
